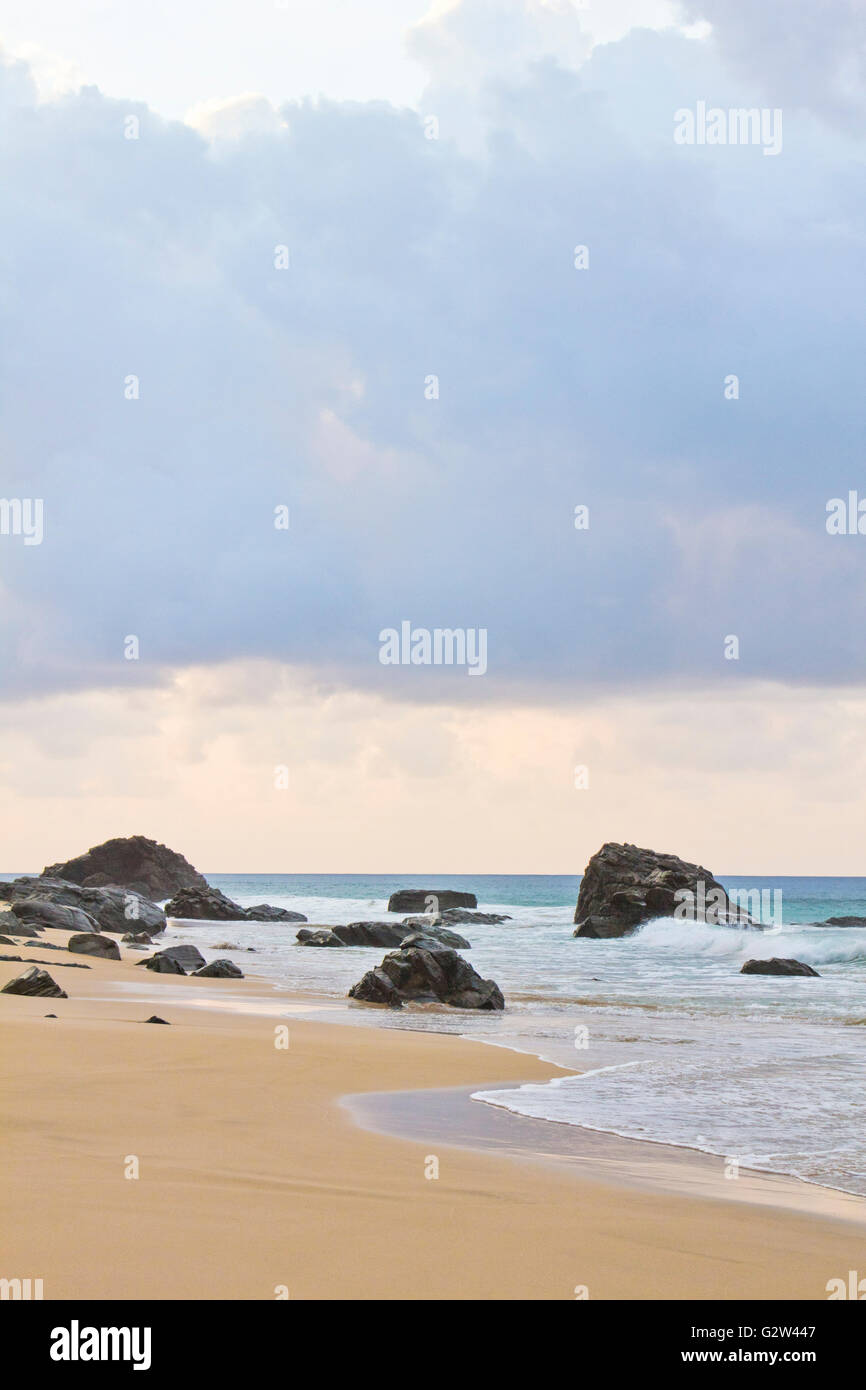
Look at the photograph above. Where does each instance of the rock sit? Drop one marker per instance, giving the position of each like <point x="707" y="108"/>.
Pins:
<point x="424" y="943"/>
<point x="134" y="862"/>
<point x="263" y="912"/>
<point x="841" y="922"/>
<point x="35" y="981"/>
<point x="50" y="1015"/>
<point x="137" y="938"/>
<point x="318" y="936"/>
<point x="623" y="886"/>
<point x="154" y="1018"/>
<point x="425" y="899"/>
<point x="204" y="904"/>
<point x="58" y="964"/>
<point x="163" y="965"/>
<point x="455" y="916"/>
<point x="777" y="965"/>
<point x="19" y="958"/>
<point x="92" y="944"/>
<point x="441" y="935"/>
<point x="221" y="970"/>
<point x="39" y="912"/>
<point x="30" y="932"/>
<point x="433" y="976"/>
<point x="190" y="957"/>
<point x="228" y="946"/>
<point x="6" y="941"/>
<point x="112" y="908"/>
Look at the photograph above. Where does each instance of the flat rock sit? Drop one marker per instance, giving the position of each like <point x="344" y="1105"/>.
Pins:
<point x="440" y="976"/>
<point x="777" y="965"/>
<point x="842" y="922"/>
<point x="132" y="862"/>
<point x="624" y="886"/>
<point x="91" y="943"/>
<point x="455" y="916"/>
<point x="36" y="982"/>
<point x="221" y="970"/>
<point x="430" y="900"/>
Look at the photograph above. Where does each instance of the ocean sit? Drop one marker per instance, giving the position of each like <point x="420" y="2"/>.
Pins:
<point x="673" y="1043"/>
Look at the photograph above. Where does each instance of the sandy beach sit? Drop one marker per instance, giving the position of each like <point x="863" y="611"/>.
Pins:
<point x="255" y="1181"/>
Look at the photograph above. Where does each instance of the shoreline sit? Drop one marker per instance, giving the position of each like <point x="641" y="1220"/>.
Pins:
<point x="255" y="1174"/>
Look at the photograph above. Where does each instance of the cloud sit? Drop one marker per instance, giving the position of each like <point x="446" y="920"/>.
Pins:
<point x="156" y="258"/>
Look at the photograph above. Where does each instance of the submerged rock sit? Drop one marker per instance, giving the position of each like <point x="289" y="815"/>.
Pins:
<point x="35" y="982"/>
<point x="777" y="965"/>
<point x="427" y="976"/>
<point x="90" y="943"/>
<point x="623" y="886"/>
<point x="134" y="862"/>
<point x="842" y="922"/>
<point x="429" y="900"/>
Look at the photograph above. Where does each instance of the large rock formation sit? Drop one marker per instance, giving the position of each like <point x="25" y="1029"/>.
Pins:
<point x="427" y="977"/>
<point x="36" y="982"/>
<point x="112" y="908"/>
<point x="777" y="965"/>
<point x="210" y="905"/>
<point x="431" y="900"/>
<point x="136" y="862"/>
<point x="623" y="886"/>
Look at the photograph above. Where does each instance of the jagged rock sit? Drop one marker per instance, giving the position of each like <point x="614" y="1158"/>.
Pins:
<point x="92" y="944"/>
<point x="427" y="976"/>
<point x="37" y="982"/>
<point x="425" y="899"/>
<point x="841" y="922"/>
<point x="154" y="1018"/>
<point x="221" y="970"/>
<point x="39" y="912"/>
<point x="777" y="965"/>
<point x="455" y="916"/>
<point x="112" y="908"/>
<point x="134" y="862"/>
<point x="623" y="886"/>
<point x="137" y="938"/>
<point x="163" y="965"/>
<point x="210" y="905"/>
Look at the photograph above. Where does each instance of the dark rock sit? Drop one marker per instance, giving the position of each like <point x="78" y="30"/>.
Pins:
<point x="318" y="936"/>
<point x="138" y="938"/>
<point x="39" y="912"/>
<point x="624" y="886"/>
<point x="777" y="965"/>
<point x="433" y="976"/>
<point x="263" y="912"/>
<point x="842" y="922"/>
<point x="370" y="934"/>
<point x="154" y="1018"/>
<point x="90" y="943"/>
<point x="20" y="958"/>
<point x="6" y="941"/>
<point x="424" y="943"/>
<point x="221" y="970"/>
<point x="190" y="957"/>
<point x="210" y="905"/>
<point x="29" y="932"/>
<point x="441" y="935"/>
<point x="37" y="982"/>
<point x="163" y="965"/>
<point x="56" y="964"/>
<point x="50" y="1015"/>
<point x="431" y="900"/>
<point x="135" y="862"/>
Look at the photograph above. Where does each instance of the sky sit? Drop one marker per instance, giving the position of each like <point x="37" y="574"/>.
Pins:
<point x="320" y="262"/>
